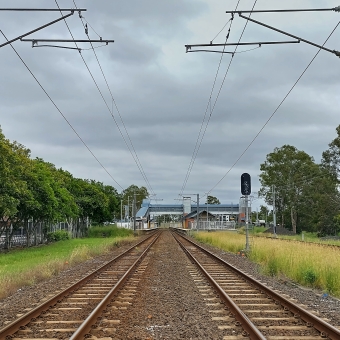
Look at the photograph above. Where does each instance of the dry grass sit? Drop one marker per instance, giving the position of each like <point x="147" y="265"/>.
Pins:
<point x="308" y="264"/>
<point x="30" y="266"/>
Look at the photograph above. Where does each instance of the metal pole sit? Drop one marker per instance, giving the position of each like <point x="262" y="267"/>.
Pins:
<point x="198" y="206"/>
<point x="207" y="226"/>
<point x="247" y="221"/>
<point x="128" y="206"/>
<point x="121" y="212"/>
<point x="274" y="212"/>
<point x="134" y="212"/>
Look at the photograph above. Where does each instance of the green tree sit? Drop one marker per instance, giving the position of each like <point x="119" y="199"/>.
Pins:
<point x="263" y="213"/>
<point x="14" y="163"/>
<point x="132" y="191"/>
<point x="331" y="157"/>
<point x="290" y="171"/>
<point x="12" y="186"/>
<point x="212" y="200"/>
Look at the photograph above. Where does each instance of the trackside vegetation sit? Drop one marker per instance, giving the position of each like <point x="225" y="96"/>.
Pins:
<point x="36" y="198"/>
<point x="109" y="231"/>
<point x="309" y="264"/>
<point x="307" y="195"/>
<point x="25" y="267"/>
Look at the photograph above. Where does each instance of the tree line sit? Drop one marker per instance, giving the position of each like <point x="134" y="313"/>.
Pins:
<point x="35" y="191"/>
<point x="306" y="193"/>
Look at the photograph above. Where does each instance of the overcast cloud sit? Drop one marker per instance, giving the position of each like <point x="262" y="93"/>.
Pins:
<point x="162" y="92"/>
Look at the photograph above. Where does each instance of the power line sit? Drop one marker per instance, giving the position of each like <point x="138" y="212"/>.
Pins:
<point x="101" y="94"/>
<point x="55" y="105"/>
<point x="138" y="162"/>
<point x="193" y="157"/>
<point x="198" y="145"/>
<point x="271" y="116"/>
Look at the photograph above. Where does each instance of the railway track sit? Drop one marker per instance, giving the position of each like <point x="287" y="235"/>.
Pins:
<point x="261" y="312"/>
<point x="73" y="312"/>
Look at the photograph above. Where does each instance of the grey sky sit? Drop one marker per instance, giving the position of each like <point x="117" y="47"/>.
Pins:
<point x="162" y="92"/>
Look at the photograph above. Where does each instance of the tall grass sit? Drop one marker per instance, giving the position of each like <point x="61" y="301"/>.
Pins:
<point x="109" y="231"/>
<point x="26" y="267"/>
<point x="304" y="236"/>
<point x="308" y="264"/>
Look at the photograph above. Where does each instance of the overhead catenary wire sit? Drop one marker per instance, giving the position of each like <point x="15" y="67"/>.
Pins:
<point x="55" y="105"/>
<point x="102" y="96"/>
<point x="221" y="30"/>
<point x="201" y="137"/>
<point x="136" y="158"/>
<point x="205" y="113"/>
<point x="272" y="115"/>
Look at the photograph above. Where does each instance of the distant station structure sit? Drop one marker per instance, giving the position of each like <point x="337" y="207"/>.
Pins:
<point x="206" y="217"/>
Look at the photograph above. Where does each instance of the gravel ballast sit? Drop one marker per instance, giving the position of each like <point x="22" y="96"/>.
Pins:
<point x="167" y="304"/>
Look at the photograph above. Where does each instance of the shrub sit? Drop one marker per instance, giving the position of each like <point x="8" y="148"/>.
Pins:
<point x="272" y="266"/>
<point x="108" y="231"/>
<point x="59" y="235"/>
<point x="310" y="276"/>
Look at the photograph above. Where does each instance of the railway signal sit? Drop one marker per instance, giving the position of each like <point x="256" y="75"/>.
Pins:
<point x="246" y="191"/>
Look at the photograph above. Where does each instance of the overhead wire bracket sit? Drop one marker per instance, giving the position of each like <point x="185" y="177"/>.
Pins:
<point x="107" y="41"/>
<point x="44" y="9"/>
<point x="260" y="43"/>
<point x="335" y="9"/>
<point x="337" y="53"/>
<point x="37" y="29"/>
<point x="35" y="42"/>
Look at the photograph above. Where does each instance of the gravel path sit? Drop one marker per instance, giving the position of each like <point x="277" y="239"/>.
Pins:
<point x="179" y="311"/>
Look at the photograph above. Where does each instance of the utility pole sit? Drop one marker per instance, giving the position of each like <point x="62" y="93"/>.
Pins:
<point x="198" y="206"/>
<point x="121" y="211"/>
<point x="134" y="212"/>
<point x="247" y="223"/>
<point x="274" y="212"/>
<point x="246" y="191"/>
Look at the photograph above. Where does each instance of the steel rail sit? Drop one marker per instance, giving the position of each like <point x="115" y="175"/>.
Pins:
<point x="246" y="324"/>
<point x="84" y="328"/>
<point x="323" y="327"/>
<point x="26" y="318"/>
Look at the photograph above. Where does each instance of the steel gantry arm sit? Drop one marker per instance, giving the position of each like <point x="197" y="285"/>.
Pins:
<point x="337" y="53"/>
<point x="259" y="43"/>
<point x="334" y="9"/>
<point x="37" y="29"/>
